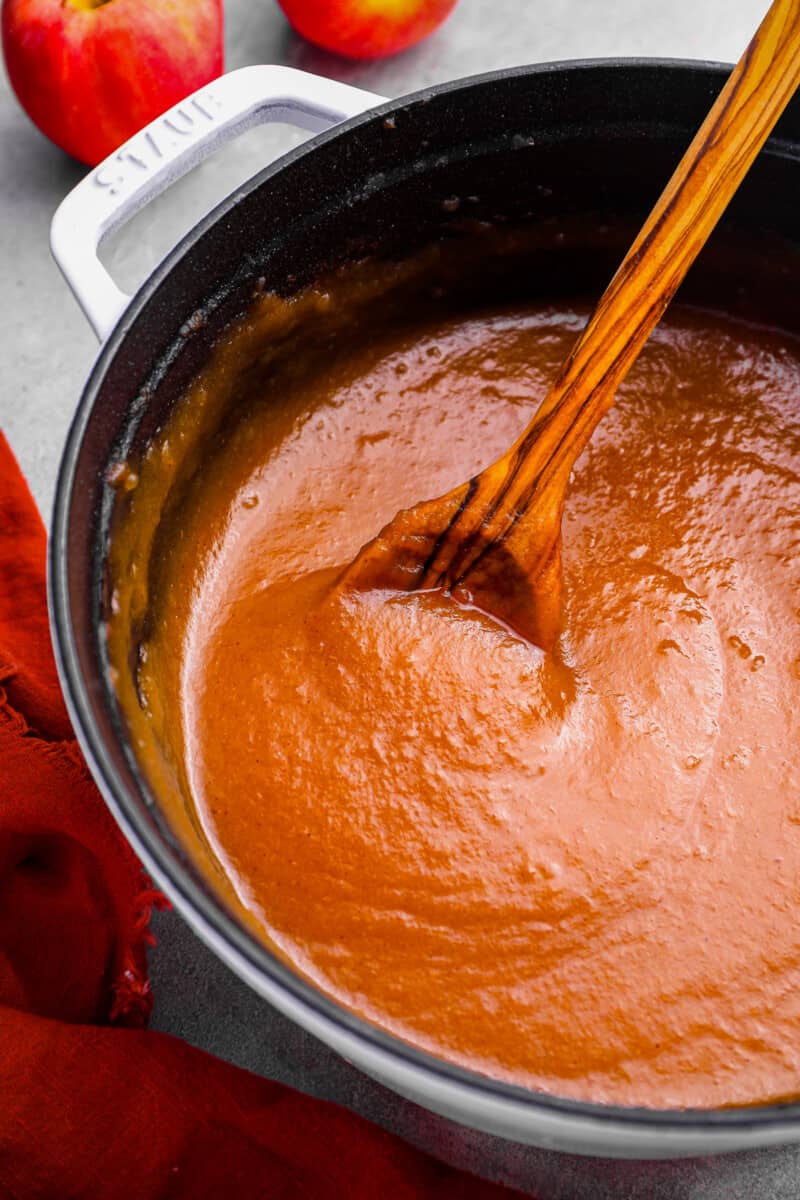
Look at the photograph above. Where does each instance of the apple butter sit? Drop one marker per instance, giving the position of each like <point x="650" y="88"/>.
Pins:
<point x="576" y="871"/>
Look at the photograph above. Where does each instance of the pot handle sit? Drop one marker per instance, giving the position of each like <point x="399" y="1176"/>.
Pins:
<point x="169" y="147"/>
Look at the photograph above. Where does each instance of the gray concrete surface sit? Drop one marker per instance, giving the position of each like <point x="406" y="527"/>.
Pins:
<point x="46" y="349"/>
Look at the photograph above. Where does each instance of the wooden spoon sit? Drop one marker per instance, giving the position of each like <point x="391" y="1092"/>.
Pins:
<point x="495" y="541"/>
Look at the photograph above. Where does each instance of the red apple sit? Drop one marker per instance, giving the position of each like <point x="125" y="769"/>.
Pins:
<point x="90" y="73"/>
<point x="366" y="28"/>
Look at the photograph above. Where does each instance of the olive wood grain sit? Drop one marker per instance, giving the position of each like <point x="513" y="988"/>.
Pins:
<point x="494" y="541"/>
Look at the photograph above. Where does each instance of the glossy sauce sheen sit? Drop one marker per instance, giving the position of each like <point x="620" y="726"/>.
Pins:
<point x="579" y="872"/>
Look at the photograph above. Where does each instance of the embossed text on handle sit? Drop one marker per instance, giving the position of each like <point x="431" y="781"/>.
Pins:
<point x="160" y="141"/>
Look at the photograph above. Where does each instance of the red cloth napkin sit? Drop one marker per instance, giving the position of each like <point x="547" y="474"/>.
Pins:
<point x="90" y="1105"/>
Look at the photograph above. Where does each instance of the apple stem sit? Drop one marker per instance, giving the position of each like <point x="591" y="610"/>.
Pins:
<point x="84" y="5"/>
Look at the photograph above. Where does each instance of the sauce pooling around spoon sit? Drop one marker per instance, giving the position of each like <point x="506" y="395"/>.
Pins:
<point x="576" y="871"/>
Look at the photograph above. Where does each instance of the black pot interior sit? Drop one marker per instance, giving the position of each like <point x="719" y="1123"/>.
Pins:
<point x="583" y="145"/>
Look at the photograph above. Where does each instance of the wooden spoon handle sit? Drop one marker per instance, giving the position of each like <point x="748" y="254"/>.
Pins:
<point x="706" y="178"/>
<point x="495" y="540"/>
<point x="515" y="503"/>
